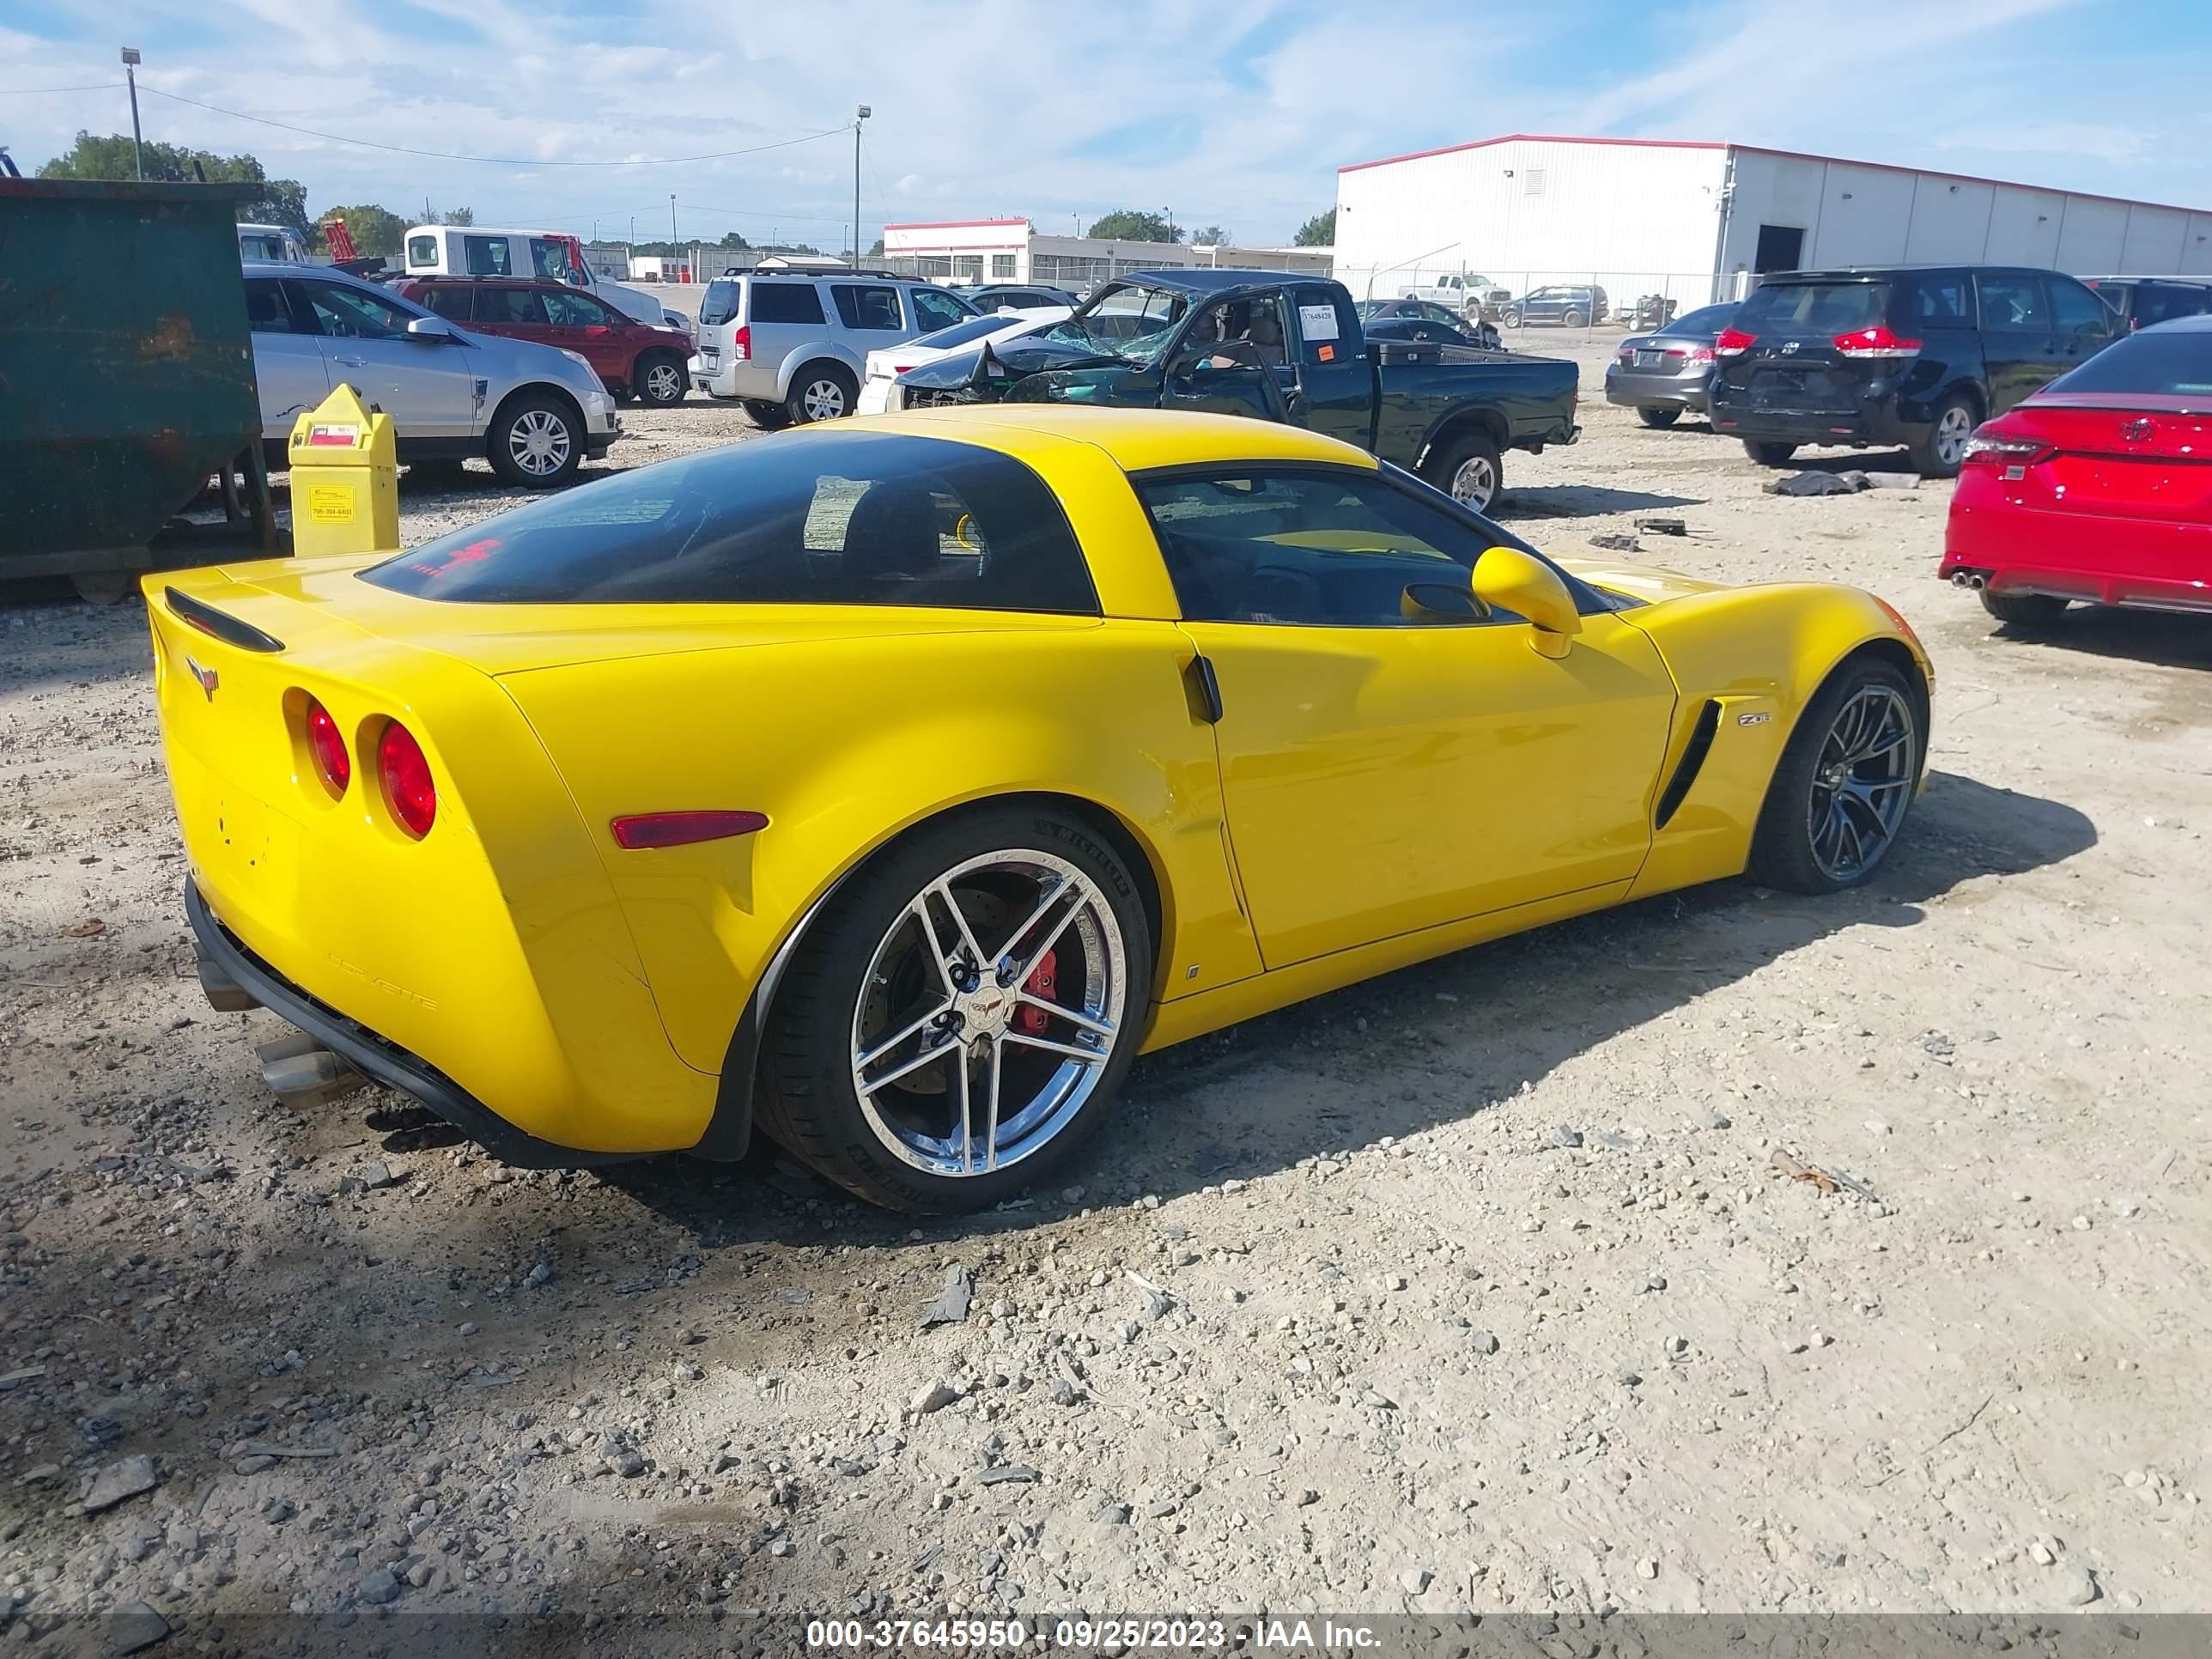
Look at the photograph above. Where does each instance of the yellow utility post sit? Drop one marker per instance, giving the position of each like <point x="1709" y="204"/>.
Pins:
<point x="345" y="479"/>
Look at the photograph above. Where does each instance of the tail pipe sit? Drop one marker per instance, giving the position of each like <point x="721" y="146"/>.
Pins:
<point x="304" y="1073"/>
<point x="1977" y="580"/>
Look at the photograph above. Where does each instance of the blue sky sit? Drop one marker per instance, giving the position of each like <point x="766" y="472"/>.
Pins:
<point x="1234" y="113"/>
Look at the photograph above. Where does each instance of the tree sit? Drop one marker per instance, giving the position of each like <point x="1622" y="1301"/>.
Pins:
<point x="1213" y="236"/>
<point x="1130" y="226"/>
<point x="1320" y="231"/>
<point x="281" y="201"/>
<point x="733" y="239"/>
<point x="876" y="252"/>
<point x="375" y="230"/>
<point x="459" y="215"/>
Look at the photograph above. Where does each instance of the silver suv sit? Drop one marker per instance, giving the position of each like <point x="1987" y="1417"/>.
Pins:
<point x="793" y="345"/>
<point x="535" y="411"/>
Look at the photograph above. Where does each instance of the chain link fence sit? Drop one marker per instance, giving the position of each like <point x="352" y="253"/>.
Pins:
<point x="1540" y="302"/>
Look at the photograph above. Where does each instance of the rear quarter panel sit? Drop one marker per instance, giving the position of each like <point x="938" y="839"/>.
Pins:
<point x="1533" y="398"/>
<point x="843" y="743"/>
<point x="1762" y="654"/>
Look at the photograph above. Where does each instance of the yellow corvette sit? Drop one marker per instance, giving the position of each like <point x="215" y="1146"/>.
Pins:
<point x="893" y="783"/>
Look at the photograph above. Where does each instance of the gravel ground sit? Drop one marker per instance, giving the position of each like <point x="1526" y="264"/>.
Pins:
<point x="1479" y="1286"/>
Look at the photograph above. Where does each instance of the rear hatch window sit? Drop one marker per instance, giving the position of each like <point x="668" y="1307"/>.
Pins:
<point x="1808" y="310"/>
<point x="721" y="304"/>
<point x="825" y="518"/>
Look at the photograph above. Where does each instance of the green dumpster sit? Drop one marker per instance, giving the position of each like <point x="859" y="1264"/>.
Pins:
<point x="126" y="382"/>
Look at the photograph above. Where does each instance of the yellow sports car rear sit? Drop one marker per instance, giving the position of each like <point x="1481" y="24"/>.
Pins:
<point x="890" y="785"/>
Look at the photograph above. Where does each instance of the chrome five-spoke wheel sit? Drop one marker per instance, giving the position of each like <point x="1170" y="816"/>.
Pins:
<point x="1862" y="782"/>
<point x="988" y="1011"/>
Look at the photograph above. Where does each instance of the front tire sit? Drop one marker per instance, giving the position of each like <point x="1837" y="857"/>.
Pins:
<point x="1845" y="784"/>
<point x="1468" y="469"/>
<point x="961" y="1017"/>
<point x="821" y="391"/>
<point x="1510" y="317"/>
<point x="660" y="381"/>
<point x="1657" y="417"/>
<point x="536" y="441"/>
<point x="1769" y="454"/>
<point x="1940" y="452"/>
<point x="2024" y="610"/>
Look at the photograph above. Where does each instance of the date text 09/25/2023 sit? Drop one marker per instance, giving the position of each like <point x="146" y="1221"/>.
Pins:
<point x="1151" y="1635"/>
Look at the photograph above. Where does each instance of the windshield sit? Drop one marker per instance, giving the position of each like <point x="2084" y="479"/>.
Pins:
<point x="1132" y="323"/>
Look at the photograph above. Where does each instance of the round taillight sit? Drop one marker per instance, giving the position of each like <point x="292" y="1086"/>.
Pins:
<point x="409" y="790"/>
<point x="327" y="744"/>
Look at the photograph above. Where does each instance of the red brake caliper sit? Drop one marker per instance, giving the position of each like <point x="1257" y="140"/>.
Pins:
<point x="1039" y="984"/>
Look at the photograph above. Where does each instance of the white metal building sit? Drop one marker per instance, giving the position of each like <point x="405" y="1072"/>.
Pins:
<point x="1011" y="251"/>
<point x="1697" y="221"/>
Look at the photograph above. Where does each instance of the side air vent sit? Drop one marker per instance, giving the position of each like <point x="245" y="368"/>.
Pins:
<point x="1693" y="759"/>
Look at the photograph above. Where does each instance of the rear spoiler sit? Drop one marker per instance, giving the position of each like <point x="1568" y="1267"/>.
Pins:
<point x="218" y="624"/>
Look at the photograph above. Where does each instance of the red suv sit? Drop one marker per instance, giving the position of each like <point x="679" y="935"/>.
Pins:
<point x="634" y="359"/>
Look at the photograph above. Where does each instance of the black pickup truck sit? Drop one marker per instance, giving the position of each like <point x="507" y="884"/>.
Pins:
<point x="1282" y="348"/>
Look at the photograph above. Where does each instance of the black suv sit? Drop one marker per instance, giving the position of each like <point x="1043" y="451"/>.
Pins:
<point x="1919" y="356"/>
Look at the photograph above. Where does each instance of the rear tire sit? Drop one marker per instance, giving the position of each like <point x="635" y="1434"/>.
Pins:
<point x="1468" y="469"/>
<point x="821" y="391"/>
<point x="864" y="973"/>
<point x="2024" y="610"/>
<point x="1658" y="416"/>
<point x="661" y="380"/>
<point x="1769" y="454"/>
<point x="1572" y="319"/>
<point x="768" y="417"/>
<point x="537" y="441"/>
<point x="1939" y="451"/>
<point x="1840" y="796"/>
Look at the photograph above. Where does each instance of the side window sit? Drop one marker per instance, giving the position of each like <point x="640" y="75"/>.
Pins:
<point x="352" y="314"/>
<point x="513" y="307"/>
<point x="1316" y="548"/>
<point x="2077" y="311"/>
<point x="934" y="310"/>
<point x="2013" y="305"/>
<point x="569" y="310"/>
<point x="868" y="308"/>
<point x="784" y="302"/>
<point x="1937" y="302"/>
<point x="265" y="310"/>
<point x="487" y="256"/>
<point x="452" y="303"/>
<point x="1325" y="327"/>
<point x="549" y="261"/>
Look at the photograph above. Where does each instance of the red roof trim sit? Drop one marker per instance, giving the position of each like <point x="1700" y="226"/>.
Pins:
<point x="1537" y="138"/>
<point x="1763" y="150"/>
<point x="955" y="224"/>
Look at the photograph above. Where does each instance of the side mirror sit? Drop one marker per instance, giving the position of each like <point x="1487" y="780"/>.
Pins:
<point x="1508" y="579"/>
<point x="433" y="329"/>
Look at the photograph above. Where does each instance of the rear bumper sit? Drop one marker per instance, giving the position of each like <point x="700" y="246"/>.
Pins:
<point x="2134" y="564"/>
<point x="375" y="1056"/>
<point x="1875" y="422"/>
<point x="1651" y="389"/>
<point x="723" y="377"/>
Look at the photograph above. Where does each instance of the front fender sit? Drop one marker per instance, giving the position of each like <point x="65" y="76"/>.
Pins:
<point x="1761" y="654"/>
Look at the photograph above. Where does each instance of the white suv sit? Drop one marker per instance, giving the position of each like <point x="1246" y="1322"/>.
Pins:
<point x="793" y="345"/>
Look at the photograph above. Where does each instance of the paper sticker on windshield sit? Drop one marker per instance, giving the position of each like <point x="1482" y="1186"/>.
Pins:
<point x="1317" y="322"/>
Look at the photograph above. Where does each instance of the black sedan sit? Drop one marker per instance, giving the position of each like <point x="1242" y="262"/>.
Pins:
<point x="1660" y="375"/>
<point x="1423" y="320"/>
<point x="1014" y="296"/>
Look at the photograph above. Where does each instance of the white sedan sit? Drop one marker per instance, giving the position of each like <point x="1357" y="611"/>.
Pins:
<point x="881" y="394"/>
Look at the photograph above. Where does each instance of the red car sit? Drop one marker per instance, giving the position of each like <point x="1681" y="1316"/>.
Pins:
<point x="633" y="359"/>
<point x="2097" y="488"/>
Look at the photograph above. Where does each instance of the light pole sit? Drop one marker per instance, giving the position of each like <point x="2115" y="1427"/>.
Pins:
<point x="860" y="114"/>
<point x="671" y="223"/>
<point x="137" y="150"/>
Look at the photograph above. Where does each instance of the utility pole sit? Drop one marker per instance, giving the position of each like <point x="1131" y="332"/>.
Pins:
<point x="1168" y="214"/>
<point x="672" y="224"/>
<point x="131" y="61"/>
<point x="860" y="115"/>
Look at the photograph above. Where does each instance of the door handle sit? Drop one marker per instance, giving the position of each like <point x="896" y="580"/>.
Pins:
<point x="352" y="362"/>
